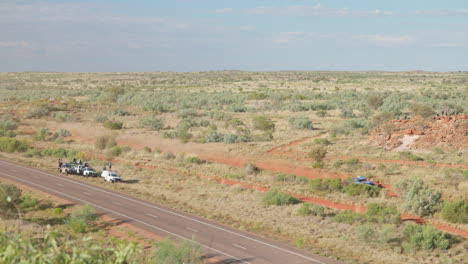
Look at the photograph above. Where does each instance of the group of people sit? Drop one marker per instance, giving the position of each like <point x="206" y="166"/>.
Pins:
<point x="75" y="161"/>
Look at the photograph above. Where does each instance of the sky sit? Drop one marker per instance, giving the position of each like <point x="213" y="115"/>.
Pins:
<point x="250" y="35"/>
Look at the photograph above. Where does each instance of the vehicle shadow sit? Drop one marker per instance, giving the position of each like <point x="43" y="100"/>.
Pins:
<point x="130" y="181"/>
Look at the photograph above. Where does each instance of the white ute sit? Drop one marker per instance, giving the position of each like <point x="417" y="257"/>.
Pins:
<point x="110" y="176"/>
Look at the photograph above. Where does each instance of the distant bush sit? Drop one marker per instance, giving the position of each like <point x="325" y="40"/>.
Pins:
<point x="301" y="123"/>
<point x="322" y="113"/>
<point x="455" y="211"/>
<point x="291" y="178"/>
<point x="101" y="118"/>
<point x="355" y="189"/>
<point x="195" y="160"/>
<point x="7" y="125"/>
<point x="347" y="216"/>
<point x="38" y="112"/>
<point x="250" y="169"/>
<point x="318" y="154"/>
<point x="152" y="123"/>
<point x="147" y="149"/>
<point x="103" y="142"/>
<point x="218" y="115"/>
<point x="418" y="237"/>
<point x="380" y="119"/>
<point x="311" y="209"/>
<point x="410" y="156"/>
<point x="64" y="133"/>
<point x="423" y="110"/>
<point x="80" y="221"/>
<point x="120" y="112"/>
<point x="347" y="112"/>
<point x="374" y="101"/>
<point x="322" y="141"/>
<point x="186" y="113"/>
<point x="10" y="145"/>
<point x="366" y="233"/>
<point x="116" y="151"/>
<point x="28" y="202"/>
<point x="419" y="198"/>
<point x="325" y="185"/>
<point x="114" y="125"/>
<point x="263" y="123"/>
<point x="63" y="116"/>
<point x="168" y="252"/>
<point x="382" y="214"/>
<point x="276" y="197"/>
<point x="10" y="197"/>
<point x="169" y="155"/>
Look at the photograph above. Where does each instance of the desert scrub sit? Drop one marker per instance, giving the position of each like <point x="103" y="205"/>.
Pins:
<point x="38" y="112"/>
<point x="263" y="123"/>
<point x="325" y="185"/>
<point x="310" y="209"/>
<point x="10" y="198"/>
<point x="10" y="145"/>
<point x="120" y="112"/>
<point x="419" y="198"/>
<point x="113" y="125"/>
<point x="347" y="216"/>
<point x="7" y="126"/>
<point x="455" y="211"/>
<point x="167" y="252"/>
<point x="382" y="214"/>
<point x="63" y="116"/>
<point x="152" y="123"/>
<point x="301" y="123"/>
<point x="276" y="197"/>
<point x="103" y="142"/>
<point x="359" y="189"/>
<point x="82" y="220"/>
<point x="322" y="141"/>
<point x="251" y="169"/>
<point x="424" y="237"/>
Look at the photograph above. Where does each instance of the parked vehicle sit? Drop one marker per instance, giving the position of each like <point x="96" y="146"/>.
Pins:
<point x="88" y="171"/>
<point x="110" y="176"/>
<point x="67" y="168"/>
<point x="363" y="180"/>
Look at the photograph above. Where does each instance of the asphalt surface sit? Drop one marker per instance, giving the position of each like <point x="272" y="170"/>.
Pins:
<point x="225" y="244"/>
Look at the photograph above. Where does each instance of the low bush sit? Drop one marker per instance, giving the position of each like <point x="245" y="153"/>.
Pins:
<point x="38" y="112"/>
<point x="357" y="189"/>
<point x="366" y="233"/>
<point x="7" y="125"/>
<point x="419" y="198"/>
<point x="120" y="112"/>
<point x="251" y="168"/>
<point x="301" y="123"/>
<point x="325" y="185"/>
<point x="114" y="125"/>
<point x="276" y="197"/>
<point x="147" y="149"/>
<point x="311" y="209"/>
<point x="10" y="145"/>
<point x="103" y="142"/>
<point x="116" y="151"/>
<point x="410" y="156"/>
<point x="418" y="237"/>
<point x="10" y="197"/>
<point x="423" y="110"/>
<point x="263" y="123"/>
<point x="28" y="202"/>
<point x="195" y="160"/>
<point x="322" y="141"/>
<point x="81" y="220"/>
<point x="168" y="252"/>
<point x="318" y="154"/>
<point x="291" y="178"/>
<point x="455" y="211"/>
<point x="63" y="116"/>
<point x="347" y="216"/>
<point x="382" y="214"/>
<point x="152" y="123"/>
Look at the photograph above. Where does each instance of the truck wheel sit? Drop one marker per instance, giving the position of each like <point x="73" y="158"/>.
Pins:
<point x="66" y="172"/>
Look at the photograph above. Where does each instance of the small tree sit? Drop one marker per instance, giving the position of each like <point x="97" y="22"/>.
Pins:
<point x="419" y="198"/>
<point x="10" y="196"/>
<point x="455" y="211"/>
<point x="374" y="101"/>
<point x="318" y="154"/>
<point x="423" y="110"/>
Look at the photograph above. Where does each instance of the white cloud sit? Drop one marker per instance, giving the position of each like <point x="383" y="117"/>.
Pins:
<point x="14" y="44"/>
<point x="443" y="12"/>
<point x="385" y="40"/>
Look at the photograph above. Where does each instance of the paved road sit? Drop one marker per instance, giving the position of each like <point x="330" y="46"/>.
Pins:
<point x="226" y="244"/>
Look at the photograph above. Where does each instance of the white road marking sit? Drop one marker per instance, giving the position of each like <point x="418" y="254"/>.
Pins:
<point x="136" y="220"/>
<point x="116" y="203"/>
<point x="153" y="215"/>
<point x="59" y="184"/>
<point x="164" y="210"/>
<point x="239" y="246"/>
<point x="191" y="229"/>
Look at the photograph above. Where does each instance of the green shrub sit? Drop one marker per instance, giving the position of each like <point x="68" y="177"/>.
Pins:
<point x="152" y="123"/>
<point x="291" y="178"/>
<point x="147" y="149"/>
<point x="358" y="189"/>
<point x="120" y="112"/>
<point x="7" y="125"/>
<point x="101" y="118"/>
<point x="114" y="125"/>
<point x="322" y="113"/>
<point x="318" y="154"/>
<point x="423" y="110"/>
<point x="78" y="225"/>
<point x="103" y="142"/>
<point x="10" y="145"/>
<point x="301" y="123"/>
<point x="418" y="237"/>
<point x="263" y="123"/>
<point x="276" y="197"/>
<point x="322" y="141"/>
<point x="347" y="216"/>
<point x="64" y="133"/>
<point x="382" y="214"/>
<point x="374" y="101"/>
<point x="366" y="233"/>
<point x="43" y="135"/>
<point x="327" y="185"/>
<point x="116" y="151"/>
<point x="195" y="160"/>
<point x="233" y="176"/>
<point x="28" y="202"/>
<point x="169" y="253"/>
<point x="311" y="209"/>
<point x="63" y="116"/>
<point x="80" y="221"/>
<point x="347" y="112"/>
<point x="251" y="168"/>
<point x="37" y="112"/>
<point x="380" y="119"/>
<point x="10" y="197"/>
<point x="58" y="211"/>
<point x="419" y="198"/>
<point x="455" y="211"/>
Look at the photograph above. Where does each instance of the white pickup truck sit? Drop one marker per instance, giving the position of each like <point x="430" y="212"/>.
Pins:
<point x="110" y="176"/>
